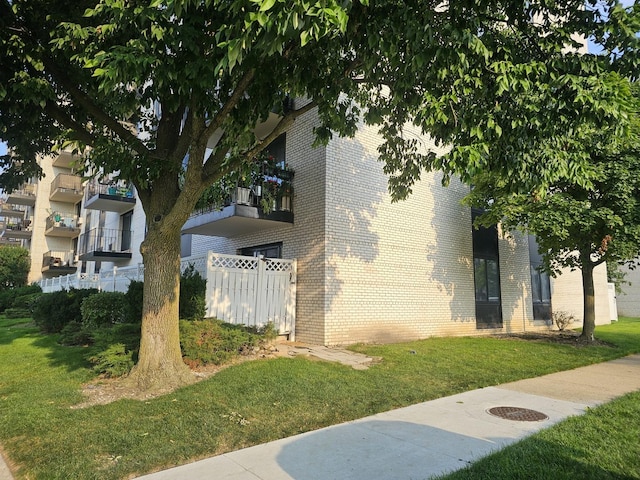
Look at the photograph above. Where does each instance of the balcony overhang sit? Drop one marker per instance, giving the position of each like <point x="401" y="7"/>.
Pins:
<point x="65" y="159"/>
<point x="102" y="256"/>
<point x="7" y="212"/>
<point x="55" y="270"/>
<point x="17" y="234"/>
<point x="21" y="198"/>
<point x="235" y="220"/>
<point x="110" y="203"/>
<point x="62" y="232"/>
<point x="66" y="195"/>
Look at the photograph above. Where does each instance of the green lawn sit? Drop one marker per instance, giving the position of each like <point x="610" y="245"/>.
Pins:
<point x="247" y="404"/>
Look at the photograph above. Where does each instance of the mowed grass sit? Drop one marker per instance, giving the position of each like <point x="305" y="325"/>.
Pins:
<point x="247" y="404"/>
<point x="603" y="444"/>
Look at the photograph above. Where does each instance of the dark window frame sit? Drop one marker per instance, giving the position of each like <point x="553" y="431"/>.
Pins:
<point x="487" y="284"/>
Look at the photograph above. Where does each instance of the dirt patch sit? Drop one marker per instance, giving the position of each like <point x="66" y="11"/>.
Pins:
<point x="103" y="391"/>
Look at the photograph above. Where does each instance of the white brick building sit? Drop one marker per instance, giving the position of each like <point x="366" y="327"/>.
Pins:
<point x="368" y="270"/>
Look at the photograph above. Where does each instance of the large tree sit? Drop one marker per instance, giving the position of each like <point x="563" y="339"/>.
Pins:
<point x="147" y="85"/>
<point x="580" y="224"/>
<point x="14" y="267"/>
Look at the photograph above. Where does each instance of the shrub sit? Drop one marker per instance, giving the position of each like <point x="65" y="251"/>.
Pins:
<point x="107" y="308"/>
<point x="134" y="301"/>
<point x="17" y="313"/>
<point x="193" y="289"/>
<point x="563" y="319"/>
<point x="126" y="333"/>
<point x="74" y="333"/>
<point x="52" y="311"/>
<point x="115" y="361"/>
<point x="27" y="301"/>
<point x="8" y="297"/>
<point x="213" y="341"/>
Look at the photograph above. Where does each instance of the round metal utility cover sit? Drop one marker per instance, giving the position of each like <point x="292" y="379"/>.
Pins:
<point x="518" y="414"/>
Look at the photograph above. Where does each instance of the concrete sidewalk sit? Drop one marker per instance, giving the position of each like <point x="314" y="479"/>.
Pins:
<point x="423" y="440"/>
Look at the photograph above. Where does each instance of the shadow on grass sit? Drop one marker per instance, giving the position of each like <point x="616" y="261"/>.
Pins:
<point x="71" y="358"/>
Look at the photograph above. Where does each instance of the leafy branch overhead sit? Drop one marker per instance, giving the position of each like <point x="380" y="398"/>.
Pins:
<point x="168" y="95"/>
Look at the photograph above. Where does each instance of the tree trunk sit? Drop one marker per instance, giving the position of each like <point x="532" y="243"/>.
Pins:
<point x="588" y="290"/>
<point x="160" y="366"/>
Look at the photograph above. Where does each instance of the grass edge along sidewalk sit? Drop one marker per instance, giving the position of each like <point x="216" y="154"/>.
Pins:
<point x="244" y="405"/>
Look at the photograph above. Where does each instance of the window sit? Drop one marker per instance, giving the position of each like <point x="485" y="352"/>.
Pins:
<point x="540" y="283"/>
<point x="486" y="271"/>
<point x="272" y="250"/>
<point x="125" y="241"/>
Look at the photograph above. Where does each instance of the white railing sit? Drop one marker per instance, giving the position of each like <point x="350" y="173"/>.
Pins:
<point x="242" y="290"/>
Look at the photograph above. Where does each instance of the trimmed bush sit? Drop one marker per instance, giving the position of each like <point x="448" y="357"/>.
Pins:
<point x="115" y="361"/>
<point x="52" y="311"/>
<point x="213" y="341"/>
<point x="8" y="297"/>
<point x="103" y="309"/>
<point x="17" y="313"/>
<point x="134" y="301"/>
<point x="193" y="289"/>
<point x="27" y="301"/>
<point x="126" y="333"/>
<point x="74" y="333"/>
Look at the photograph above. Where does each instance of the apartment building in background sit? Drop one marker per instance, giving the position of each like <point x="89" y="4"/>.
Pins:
<point x="368" y="269"/>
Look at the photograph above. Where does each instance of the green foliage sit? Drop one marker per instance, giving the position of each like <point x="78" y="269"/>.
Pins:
<point x="14" y="267"/>
<point x="16" y="312"/>
<point x="52" y="311"/>
<point x="75" y="333"/>
<point x="192" y="294"/>
<point x="213" y="341"/>
<point x="103" y="309"/>
<point x="115" y="361"/>
<point x="133" y="296"/>
<point x="9" y="296"/>
<point x="480" y="76"/>
<point x="126" y="333"/>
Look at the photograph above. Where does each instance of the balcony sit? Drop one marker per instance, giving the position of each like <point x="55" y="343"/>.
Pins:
<point x="111" y="198"/>
<point x="231" y="211"/>
<point x="66" y="188"/>
<point x="11" y="230"/>
<point x="65" y="159"/>
<point x="23" y="196"/>
<point x="8" y="211"/>
<point x="64" y="225"/>
<point x="105" y="245"/>
<point x="9" y="242"/>
<point x="59" y="263"/>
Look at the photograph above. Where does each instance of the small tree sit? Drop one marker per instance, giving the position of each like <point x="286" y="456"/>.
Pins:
<point x="14" y="267"/>
<point x="580" y="224"/>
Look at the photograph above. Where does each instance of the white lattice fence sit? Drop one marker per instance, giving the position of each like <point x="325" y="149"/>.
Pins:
<point x="252" y="291"/>
<point x="242" y="290"/>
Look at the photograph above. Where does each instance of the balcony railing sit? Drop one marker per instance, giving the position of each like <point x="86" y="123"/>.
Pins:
<point x="60" y="262"/>
<point x="115" y="197"/>
<point x="66" y="188"/>
<point x="61" y="224"/>
<point x="16" y="230"/>
<point x="25" y="195"/>
<point x="9" y="210"/>
<point x="105" y="244"/>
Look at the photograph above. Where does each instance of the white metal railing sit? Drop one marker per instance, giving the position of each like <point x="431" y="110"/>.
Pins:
<point x="241" y="290"/>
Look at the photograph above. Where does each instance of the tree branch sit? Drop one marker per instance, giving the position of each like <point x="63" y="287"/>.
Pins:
<point x="279" y="129"/>
<point x="55" y="112"/>
<point x="85" y="101"/>
<point x="229" y="105"/>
